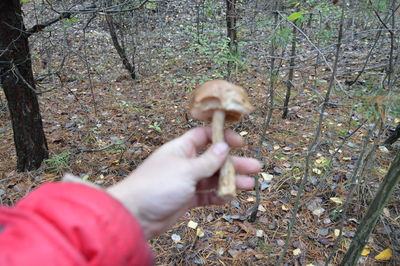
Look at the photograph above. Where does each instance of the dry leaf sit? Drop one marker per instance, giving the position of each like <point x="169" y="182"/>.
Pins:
<point x="259" y="233"/>
<point x="243" y="133"/>
<point x="261" y="208"/>
<point x="251" y="199"/>
<point x="336" y="200"/>
<point x="296" y="252"/>
<point x="199" y="232"/>
<point x="267" y="177"/>
<point x="176" y="238"/>
<point x="386" y="212"/>
<point x="192" y="224"/>
<point x="317" y="171"/>
<point x="365" y="252"/>
<point x="384" y="255"/>
<point x="318" y="211"/>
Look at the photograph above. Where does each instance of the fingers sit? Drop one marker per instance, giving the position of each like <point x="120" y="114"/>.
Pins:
<point x="246" y="166"/>
<point x="243" y="182"/>
<point x="201" y="137"/>
<point x="209" y="162"/>
<point x="208" y="196"/>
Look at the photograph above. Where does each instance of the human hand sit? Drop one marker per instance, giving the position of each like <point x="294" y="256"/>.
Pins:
<point x="174" y="179"/>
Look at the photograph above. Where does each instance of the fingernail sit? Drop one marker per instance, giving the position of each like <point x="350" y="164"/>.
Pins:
<point x="220" y="148"/>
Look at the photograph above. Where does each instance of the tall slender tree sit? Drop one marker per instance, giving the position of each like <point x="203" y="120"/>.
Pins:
<point x="16" y="78"/>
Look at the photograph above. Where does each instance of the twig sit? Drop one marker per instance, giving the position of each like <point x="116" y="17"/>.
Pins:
<point x="353" y="182"/>
<point x="370" y="218"/>
<point x="39" y="27"/>
<point x="267" y="119"/>
<point x="81" y="150"/>
<point x="313" y="146"/>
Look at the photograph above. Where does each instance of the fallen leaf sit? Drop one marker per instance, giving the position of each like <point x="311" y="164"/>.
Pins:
<point x="365" y="252"/>
<point x="336" y="233"/>
<point x="199" y="232"/>
<point x="318" y="211"/>
<point x="192" y="224"/>
<point x="386" y="212"/>
<point x="383" y="149"/>
<point x="247" y="227"/>
<point x="296" y="252"/>
<point x="176" y="238"/>
<point x="317" y="171"/>
<point x="336" y="200"/>
<point x="220" y="251"/>
<point x="384" y="255"/>
<point x="267" y="177"/>
<point x="243" y="133"/>
<point x="251" y="199"/>
<point x="276" y="147"/>
<point x="261" y="208"/>
<point x="221" y="234"/>
<point x="259" y="233"/>
<point x="233" y="252"/>
<point x="284" y="207"/>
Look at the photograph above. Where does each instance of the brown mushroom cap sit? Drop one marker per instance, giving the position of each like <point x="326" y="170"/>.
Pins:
<point x="219" y="95"/>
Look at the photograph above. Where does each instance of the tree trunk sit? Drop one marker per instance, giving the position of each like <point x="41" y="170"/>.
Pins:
<point x="120" y="49"/>
<point x="17" y="80"/>
<point x="385" y="191"/>
<point x="231" y="18"/>
<point x="289" y="84"/>
<point x="394" y="136"/>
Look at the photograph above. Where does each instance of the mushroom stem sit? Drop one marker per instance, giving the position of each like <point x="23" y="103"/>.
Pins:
<point x="227" y="180"/>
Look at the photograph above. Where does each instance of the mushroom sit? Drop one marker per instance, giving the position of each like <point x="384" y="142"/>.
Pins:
<point x="220" y="100"/>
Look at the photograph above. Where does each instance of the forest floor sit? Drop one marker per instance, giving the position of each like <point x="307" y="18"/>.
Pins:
<point x="91" y="111"/>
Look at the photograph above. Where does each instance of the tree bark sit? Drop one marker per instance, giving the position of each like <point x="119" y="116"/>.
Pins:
<point x="17" y="80"/>
<point x="231" y="18"/>
<point x="289" y="84"/>
<point x="120" y="49"/>
<point x="394" y="136"/>
<point x="385" y="191"/>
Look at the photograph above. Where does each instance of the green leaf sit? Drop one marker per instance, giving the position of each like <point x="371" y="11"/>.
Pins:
<point x="295" y="15"/>
<point x="25" y="1"/>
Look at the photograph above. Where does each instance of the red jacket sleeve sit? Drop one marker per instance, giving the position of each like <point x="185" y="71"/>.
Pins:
<point x="70" y="224"/>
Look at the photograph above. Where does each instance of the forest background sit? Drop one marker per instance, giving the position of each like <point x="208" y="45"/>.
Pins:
<point x="113" y="80"/>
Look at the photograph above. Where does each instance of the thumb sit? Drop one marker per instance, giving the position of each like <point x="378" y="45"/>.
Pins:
<point x="210" y="161"/>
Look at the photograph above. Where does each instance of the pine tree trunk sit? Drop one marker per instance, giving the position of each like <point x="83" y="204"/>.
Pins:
<point x="17" y="80"/>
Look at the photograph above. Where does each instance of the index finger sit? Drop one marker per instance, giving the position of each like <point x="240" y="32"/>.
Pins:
<point x="201" y="137"/>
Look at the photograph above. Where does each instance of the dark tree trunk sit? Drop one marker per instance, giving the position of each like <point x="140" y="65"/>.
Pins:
<point x="289" y="84"/>
<point x="17" y="80"/>
<point x="130" y="66"/>
<point x="395" y="136"/>
<point x="231" y="18"/>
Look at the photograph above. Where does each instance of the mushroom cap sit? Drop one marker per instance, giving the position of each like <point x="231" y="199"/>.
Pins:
<point x="219" y="95"/>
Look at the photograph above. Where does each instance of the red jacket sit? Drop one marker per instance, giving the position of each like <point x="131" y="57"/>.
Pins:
<point x="70" y="224"/>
